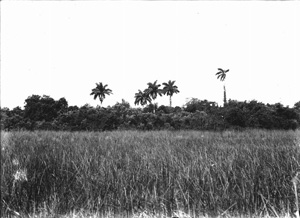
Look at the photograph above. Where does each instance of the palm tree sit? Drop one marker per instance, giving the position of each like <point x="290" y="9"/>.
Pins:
<point x="100" y="91"/>
<point x="142" y="98"/>
<point x="153" y="90"/>
<point x="222" y="75"/>
<point x="170" y="89"/>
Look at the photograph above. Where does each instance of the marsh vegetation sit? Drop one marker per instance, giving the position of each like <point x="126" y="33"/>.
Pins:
<point x="161" y="172"/>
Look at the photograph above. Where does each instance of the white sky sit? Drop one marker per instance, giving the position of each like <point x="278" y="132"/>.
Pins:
<point x="62" y="48"/>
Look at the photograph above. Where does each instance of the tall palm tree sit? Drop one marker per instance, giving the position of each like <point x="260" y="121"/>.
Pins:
<point x="142" y="98"/>
<point x="100" y="91"/>
<point x="170" y="89"/>
<point x="221" y="74"/>
<point x="153" y="90"/>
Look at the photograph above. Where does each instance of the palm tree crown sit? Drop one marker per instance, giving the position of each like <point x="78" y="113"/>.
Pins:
<point x="221" y="74"/>
<point x="100" y="91"/>
<point x="170" y="89"/>
<point x="142" y="98"/>
<point x="153" y="90"/>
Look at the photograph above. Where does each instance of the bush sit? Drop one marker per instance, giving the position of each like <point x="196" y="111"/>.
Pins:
<point x="45" y="113"/>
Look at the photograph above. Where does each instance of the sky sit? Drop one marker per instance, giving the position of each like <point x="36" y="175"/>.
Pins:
<point x="62" y="48"/>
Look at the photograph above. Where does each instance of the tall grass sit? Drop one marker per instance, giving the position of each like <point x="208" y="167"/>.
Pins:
<point x="160" y="172"/>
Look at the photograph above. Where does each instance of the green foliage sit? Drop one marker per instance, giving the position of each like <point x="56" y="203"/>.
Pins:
<point x="142" y="98"/>
<point x="129" y="171"/>
<point x="100" y="91"/>
<point x="170" y="89"/>
<point x="221" y="74"/>
<point x="297" y="106"/>
<point x="153" y="90"/>
<point x="48" y="114"/>
<point x="195" y="104"/>
<point x="43" y="108"/>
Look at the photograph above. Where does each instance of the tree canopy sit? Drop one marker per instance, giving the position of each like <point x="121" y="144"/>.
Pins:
<point x="45" y="113"/>
<point x="101" y="91"/>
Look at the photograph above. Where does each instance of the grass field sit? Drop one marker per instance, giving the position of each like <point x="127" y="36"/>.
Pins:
<point x="150" y="174"/>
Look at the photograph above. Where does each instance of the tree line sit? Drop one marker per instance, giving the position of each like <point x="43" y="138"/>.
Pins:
<point x="153" y="90"/>
<point x="45" y="113"/>
<point x="141" y="97"/>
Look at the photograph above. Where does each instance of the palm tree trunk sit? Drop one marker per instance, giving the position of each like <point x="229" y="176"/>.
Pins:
<point x="100" y="102"/>
<point x="170" y="101"/>
<point x="225" y="100"/>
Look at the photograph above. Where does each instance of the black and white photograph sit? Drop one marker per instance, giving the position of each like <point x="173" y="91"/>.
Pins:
<point x="150" y="109"/>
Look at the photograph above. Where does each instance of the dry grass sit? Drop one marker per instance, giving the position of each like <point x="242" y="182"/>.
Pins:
<point x="4" y="140"/>
<point x="177" y="214"/>
<point x="205" y="174"/>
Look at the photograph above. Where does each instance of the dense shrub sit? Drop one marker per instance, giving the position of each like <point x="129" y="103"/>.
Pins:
<point x="44" y="113"/>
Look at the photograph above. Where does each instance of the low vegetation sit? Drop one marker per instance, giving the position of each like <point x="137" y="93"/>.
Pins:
<point x="161" y="172"/>
<point x="45" y="113"/>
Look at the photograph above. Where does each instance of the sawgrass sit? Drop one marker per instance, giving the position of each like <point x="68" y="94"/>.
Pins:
<point x="129" y="172"/>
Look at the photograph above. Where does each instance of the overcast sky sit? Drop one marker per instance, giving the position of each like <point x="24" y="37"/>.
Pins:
<point x="62" y="49"/>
